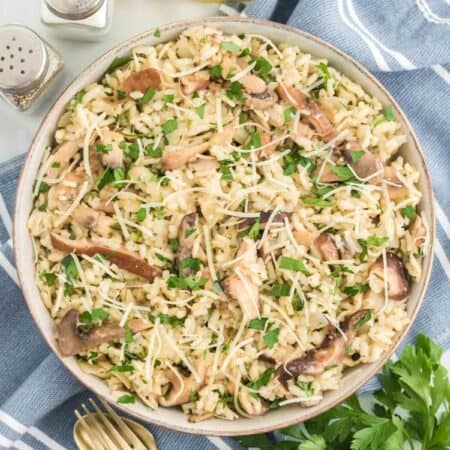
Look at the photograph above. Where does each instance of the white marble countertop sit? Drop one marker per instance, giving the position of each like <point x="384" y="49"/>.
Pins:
<point x="130" y="17"/>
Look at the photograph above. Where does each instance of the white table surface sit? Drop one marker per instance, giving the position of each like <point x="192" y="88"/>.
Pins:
<point x="130" y="17"/>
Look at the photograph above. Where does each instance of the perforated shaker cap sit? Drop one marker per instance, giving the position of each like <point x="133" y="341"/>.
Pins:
<point x="23" y="59"/>
<point x="74" y="9"/>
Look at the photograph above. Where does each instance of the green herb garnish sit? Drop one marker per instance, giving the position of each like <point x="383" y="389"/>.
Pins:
<point x="293" y="264"/>
<point x="230" y="47"/>
<point x="169" y="126"/>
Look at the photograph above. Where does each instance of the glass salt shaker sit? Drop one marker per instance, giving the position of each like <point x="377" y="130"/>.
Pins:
<point x="27" y="64"/>
<point x="84" y="20"/>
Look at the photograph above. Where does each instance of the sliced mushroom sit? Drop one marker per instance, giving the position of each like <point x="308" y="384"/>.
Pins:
<point x="331" y="351"/>
<point x="261" y="101"/>
<point x="177" y="159"/>
<point x="240" y="287"/>
<point x="61" y="156"/>
<point x="121" y="257"/>
<point x="253" y="84"/>
<point x="187" y="233"/>
<point x="266" y="152"/>
<point x="366" y="167"/>
<point x="73" y="339"/>
<point x="93" y="220"/>
<point x="61" y="195"/>
<point x="142" y="80"/>
<point x="102" y="203"/>
<point x="277" y="219"/>
<point x="204" y="165"/>
<point x="316" y="116"/>
<point x="195" y="82"/>
<point x="305" y="237"/>
<point x="114" y="158"/>
<point x="396" y="189"/>
<point x="267" y="359"/>
<point x="327" y="247"/>
<point x="182" y="387"/>
<point x="418" y="232"/>
<point x="138" y="325"/>
<point x="397" y="281"/>
<point x="324" y="173"/>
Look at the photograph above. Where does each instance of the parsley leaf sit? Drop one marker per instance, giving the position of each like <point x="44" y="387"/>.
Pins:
<point x="289" y="114"/>
<point x="127" y="398"/>
<point x="314" y="201"/>
<point x="215" y="71"/>
<point x="48" y="277"/>
<point x="148" y="95"/>
<point x="118" y="62"/>
<point x="157" y="33"/>
<point x="169" y="126"/>
<point x="356" y="155"/>
<point x="235" y="91"/>
<point x="343" y="172"/>
<point x="293" y="159"/>
<point x="389" y="113"/>
<point x="280" y="290"/>
<point x="258" y="323"/>
<point x="409" y="212"/>
<point x="70" y="267"/>
<point x="262" y="380"/>
<point x="271" y="337"/>
<point x="230" y="47"/>
<point x="293" y="264"/>
<point x="200" y="110"/>
<point x="103" y="148"/>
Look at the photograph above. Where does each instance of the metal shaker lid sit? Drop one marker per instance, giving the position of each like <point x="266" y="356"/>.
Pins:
<point x="23" y="59"/>
<point x="74" y="9"/>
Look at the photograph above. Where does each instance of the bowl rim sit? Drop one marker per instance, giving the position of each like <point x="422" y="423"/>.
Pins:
<point x="206" y="21"/>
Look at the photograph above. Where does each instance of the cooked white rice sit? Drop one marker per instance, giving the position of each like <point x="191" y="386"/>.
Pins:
<point x="217" y="340"/>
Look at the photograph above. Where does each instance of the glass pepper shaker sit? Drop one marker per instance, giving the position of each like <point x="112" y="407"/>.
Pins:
<point x="85" y="20"/>
<point x="27" y="64"/>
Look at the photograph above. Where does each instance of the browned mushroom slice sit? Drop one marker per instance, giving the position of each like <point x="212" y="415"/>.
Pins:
<point x="72" y="339"/>
<point x="327" y="247"/>
<point x="396" y="189"/>
<point x="316" y="116"/>
<point x="172" y="160"/>
<point x="331" y="351"/>
<point x="114" y="157"/>
<point x="253" y="84"/>
<point x="195" y="82"/>
<point x="187" y="233"/>
<point x="367" y="166"/>
<point x="61" y="156"/>
<point x="397" y="281"/>
<point x="240" y="287"/>
<point x="324" y="173"/>
<point x="121" y="257"/>
<point x="418" y="232"/>
<point x="261" y="101"/>
<point x="182" y="387"/>
<point x="93" y="220"/>
<point x="277" y="219"/>
<point x="142" y="80"/>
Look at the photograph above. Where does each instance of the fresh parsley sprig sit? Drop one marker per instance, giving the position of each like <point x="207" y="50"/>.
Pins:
<point x="412" y="410"/>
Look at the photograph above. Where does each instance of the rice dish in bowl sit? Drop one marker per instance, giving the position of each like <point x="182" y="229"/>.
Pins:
<point x="224" y="224"/>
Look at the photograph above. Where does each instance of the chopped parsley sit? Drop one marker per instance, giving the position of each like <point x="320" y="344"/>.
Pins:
<point x="263" y="68"/>
<point x="77" y="99"/>
<point x="253" y="231"/>
<point x="343" y="172"/>
<point x="409" y="212"/>
<point x="122" y="368"/>
<point x="293" y="159"/>
<point x="314" y="201"/>
<point x="69" y="290"/>
<point x="296" y="265"/>
<point x="258" y="323"/>
<point x="157" y="33"/>
<point x="297" y="302"/>
<point x="364" y="319"/>
<point x="118" y="62"/>
<point x="186" y="283"/>
<point x="357" y="288"/>
<point x="225" y="169"/>
<point x="235" y="91"/>
<point x="193" y="264"/>
<point x="189" y="231"/>
<point x="306" y="387"/>
<point x="70" y="267"/>
<point x="142" y="214"/>
<point x="200" y="110"/>
<point x="48" y="277"/>
<point x="389" y="113"/>
<point x="243" y="117"/>
<point x="230" y="47"/>
<point x="162" y="258"/>
<point x="215" y="71"/>
<point x="169" y="126"/>
<point x="104" y="148"/>
<point x="174" y="244"/>
<point x="168" y="98"/>
<point x="271" y="337"/>
<point x="96" y="315"/>
<point x="262" y="380"/>
<point x="148" y="95"/>
<point x="121" y="95"/>
<point x="127" y="398"/>
<point x="245" y="52"/>
<point x="43" y="187"/>
<point x="130" y="150"/>
<point x="280" y="290"/>
<point x="357" y="155"/>
<point x="166" y="319"/>
<point x="153" y="152"/>
<point x="289" y="114"/>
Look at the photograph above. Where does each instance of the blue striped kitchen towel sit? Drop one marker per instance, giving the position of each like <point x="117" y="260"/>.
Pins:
<point x="406" y="45"/>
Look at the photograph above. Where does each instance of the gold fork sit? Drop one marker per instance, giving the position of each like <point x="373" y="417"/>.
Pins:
<point x="100" y="430"/>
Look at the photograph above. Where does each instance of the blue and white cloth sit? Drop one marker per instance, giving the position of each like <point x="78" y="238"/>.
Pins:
<point x="406" y="45"/>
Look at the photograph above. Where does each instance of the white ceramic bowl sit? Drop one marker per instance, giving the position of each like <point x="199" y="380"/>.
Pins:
<point x="173" y="418"/>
